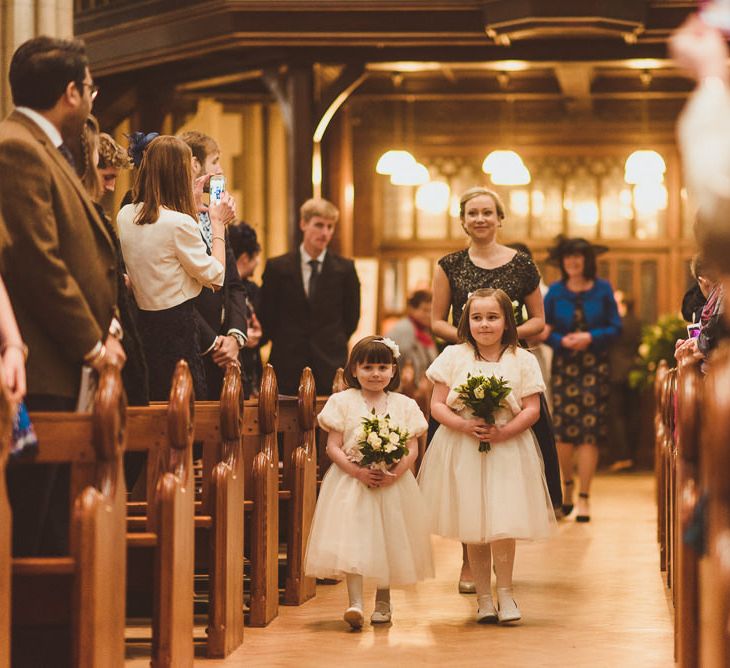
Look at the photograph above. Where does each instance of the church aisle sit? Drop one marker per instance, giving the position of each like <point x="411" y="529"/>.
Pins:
<point x="592" y="596"/>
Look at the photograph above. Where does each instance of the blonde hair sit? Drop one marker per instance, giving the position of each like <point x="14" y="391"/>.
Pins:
<point x="165" y="178"/>
<point x="476" y="192"/>
<point x="509" y="336"/>
<point x="317" y="206"/>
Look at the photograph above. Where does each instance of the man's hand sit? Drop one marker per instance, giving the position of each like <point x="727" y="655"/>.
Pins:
<point x="253" y="332"/>
<point x="114" y="354"/>
<point x="13" y="370"/>
<point x="226" y="352"/>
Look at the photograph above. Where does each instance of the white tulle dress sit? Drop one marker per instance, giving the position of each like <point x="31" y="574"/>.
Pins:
<point x="478" y="497"/>
<point x="380" y="533"/>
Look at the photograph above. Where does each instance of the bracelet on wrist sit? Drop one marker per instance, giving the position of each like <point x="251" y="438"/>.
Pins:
<point x="19" y="345"/>
<point x="221" y="238"/>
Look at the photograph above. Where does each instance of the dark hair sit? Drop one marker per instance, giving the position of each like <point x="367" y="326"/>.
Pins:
<point x="590" y="266"/>
<point x="371" y="350"/>
<point x="509" y="337"/>
<point x="138" y="143"/>
<point x="419" y="297"/>
<point x="42" y="68"/>
<point x="243" y="239"/>
<point x="200" y="144"/>
<point x="165" y="178"/>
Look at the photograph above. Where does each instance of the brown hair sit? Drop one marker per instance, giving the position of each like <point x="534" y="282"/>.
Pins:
<point x="318" y="207"/>
<point x="200" y="144"/>
<point x="90" y="177"/>
<point x="476" y="192"/>
<point x="371" y="350"/>
<point x="164" y="179"/>
<point x="112" y="154"/>
<point x="509" y="337"/>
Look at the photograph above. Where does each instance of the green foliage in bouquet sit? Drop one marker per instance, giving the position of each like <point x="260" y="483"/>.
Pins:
<point x="657" y="343"/>
<point x="484" y="396"/>
<point x="381" y="443"/>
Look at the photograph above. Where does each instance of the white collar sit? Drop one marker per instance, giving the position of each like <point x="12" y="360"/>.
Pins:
<point x="43" y="123"/>
<point x="306" y="257"/>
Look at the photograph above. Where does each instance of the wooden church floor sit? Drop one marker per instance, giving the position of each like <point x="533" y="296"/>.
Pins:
<point x="590" y="597"/>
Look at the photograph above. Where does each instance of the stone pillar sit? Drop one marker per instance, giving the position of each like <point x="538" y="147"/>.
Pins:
<point x="19" y="21"/>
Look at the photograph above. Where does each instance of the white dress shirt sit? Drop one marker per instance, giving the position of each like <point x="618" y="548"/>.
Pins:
<point x="166" y="261"/>
<point x="306" y="267"/>
<point x="704" y="140"/>
<point x="43" y="123"/>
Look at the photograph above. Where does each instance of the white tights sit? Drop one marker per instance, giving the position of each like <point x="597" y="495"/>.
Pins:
<point x="354" y="591"/>
<point x="480" y="560"/>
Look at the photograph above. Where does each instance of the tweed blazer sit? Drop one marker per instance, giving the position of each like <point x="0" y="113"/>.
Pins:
<point x="59" y="263"/>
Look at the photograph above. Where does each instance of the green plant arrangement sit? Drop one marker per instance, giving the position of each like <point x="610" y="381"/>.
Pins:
<point x="657" y="343"/>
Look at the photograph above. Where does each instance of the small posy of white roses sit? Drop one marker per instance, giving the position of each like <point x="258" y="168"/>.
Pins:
<point x="479" y="392"/>
<point x="392" y="345"/>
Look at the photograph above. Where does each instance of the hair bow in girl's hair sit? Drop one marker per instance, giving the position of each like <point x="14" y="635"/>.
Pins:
<point x="138" y="143"/>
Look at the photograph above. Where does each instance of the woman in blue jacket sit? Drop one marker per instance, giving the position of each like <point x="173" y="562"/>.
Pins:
<point x="582" y="319"/>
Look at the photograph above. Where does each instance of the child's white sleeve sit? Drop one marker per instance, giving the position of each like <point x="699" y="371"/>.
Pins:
<point x="332" y="417"/>
<point x="440" y="369"/>
<point x="416" y="422"/>
<point x="531" y="375"/>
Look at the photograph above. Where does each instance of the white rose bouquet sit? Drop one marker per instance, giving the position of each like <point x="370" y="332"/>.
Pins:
<point x="381" y="444"/>
<point x="483" y="396"/>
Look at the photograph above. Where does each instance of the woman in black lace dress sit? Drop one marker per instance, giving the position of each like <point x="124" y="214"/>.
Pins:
<point x="485" y="264"/>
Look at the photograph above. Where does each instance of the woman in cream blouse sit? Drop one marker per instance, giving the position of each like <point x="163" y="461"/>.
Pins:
<point x="167" y="260"/>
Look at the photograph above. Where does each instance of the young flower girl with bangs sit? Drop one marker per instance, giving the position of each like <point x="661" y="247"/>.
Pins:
<point x="487" y="499"/>
<point x="370" y="523"/>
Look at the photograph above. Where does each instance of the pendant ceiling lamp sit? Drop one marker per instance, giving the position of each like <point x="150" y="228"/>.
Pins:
<point x="393" y="161"/>
<point x="433" y="197"/>
<point x="505" y="168"/>
<point x="414" y="174"/>
<point x="644" y="166"/>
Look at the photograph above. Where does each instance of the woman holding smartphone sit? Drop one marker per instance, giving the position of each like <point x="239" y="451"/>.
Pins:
<point x="167" y="260"/>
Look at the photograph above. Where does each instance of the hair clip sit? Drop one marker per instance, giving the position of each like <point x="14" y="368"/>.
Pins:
<point x="390" y="344"/>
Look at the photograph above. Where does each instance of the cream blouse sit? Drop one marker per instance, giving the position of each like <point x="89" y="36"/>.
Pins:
<point x="167" y="261"/>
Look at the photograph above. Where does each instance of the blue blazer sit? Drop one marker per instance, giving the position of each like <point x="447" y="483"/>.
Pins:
<point x="599" y="308"/>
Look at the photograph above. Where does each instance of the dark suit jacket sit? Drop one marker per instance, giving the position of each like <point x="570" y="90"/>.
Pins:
<point x="217" y="313"/>
<point x="309" y="334"/>
<point x="59" y="261"/>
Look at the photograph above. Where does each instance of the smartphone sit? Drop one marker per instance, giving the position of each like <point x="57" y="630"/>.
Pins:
<point x="217" y="186"/>
<point x="693" y="330"/>
<point x="716" y="13"/>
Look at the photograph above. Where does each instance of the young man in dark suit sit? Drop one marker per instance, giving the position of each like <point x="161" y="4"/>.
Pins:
<point x="59" y="263"/>
<point x="222" y="315"/>
<point x="310" y="303"/>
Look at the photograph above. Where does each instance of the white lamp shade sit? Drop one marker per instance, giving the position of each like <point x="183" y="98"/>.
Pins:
<point x="414" y="174"/>
<point x="644" y="167"/>
<point x="433" y="197"/>
<point x="506" y="168"/>
<point x="393" y="161"/>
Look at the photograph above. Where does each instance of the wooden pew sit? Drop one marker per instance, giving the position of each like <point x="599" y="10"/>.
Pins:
<point x="6" y="421"/>
<point x="715" y="461"/>
<point x="670" y="458"/>
<point x="219" y="516"/>
<point x="86" y="586"/>
<point x="686" y="616"/>
<point x="261" y="467"/>
<point x="164" y="536"/>
<point x="659" y="436"/>
<point x="299" y="488"/>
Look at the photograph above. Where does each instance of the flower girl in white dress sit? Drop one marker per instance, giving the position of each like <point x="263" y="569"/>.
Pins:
<point x="487" y="499"/>
<point x="370" y="523"/>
